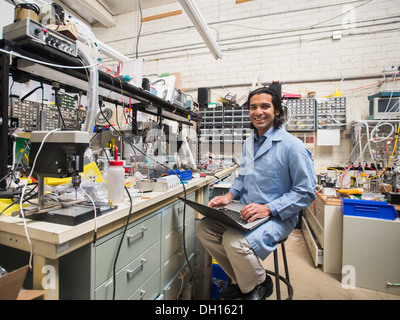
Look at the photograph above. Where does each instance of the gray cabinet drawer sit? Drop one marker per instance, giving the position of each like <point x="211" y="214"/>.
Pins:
<point x="137" y="239"/>
<point x="149" y="290"/>
<point x="173" y="215"/>
<point x="174" y="288"/>
<point x="132" y="276"/>
<point x="172" y="265"/>
<point x="174" y="239"/>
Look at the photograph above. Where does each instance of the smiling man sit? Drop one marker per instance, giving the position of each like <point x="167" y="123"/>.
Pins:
<point x="277" y="179"/>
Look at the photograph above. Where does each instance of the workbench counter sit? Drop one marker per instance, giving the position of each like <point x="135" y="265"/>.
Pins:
<point x="54" y="240"/>
<point x="51" y="241"/>
<point x="328" y="200"/>
<point x="336" y="201"/>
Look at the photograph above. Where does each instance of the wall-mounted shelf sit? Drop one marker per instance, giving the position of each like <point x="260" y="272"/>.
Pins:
<point x="110" y="89"/>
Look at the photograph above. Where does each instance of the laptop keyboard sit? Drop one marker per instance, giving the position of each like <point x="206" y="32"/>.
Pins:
<point x="234" y="215"/>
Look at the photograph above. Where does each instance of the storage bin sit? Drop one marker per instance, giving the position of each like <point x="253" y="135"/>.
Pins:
<point x="219" y="279"/>
<point x="368" y="208"/>
<point x="185" y="175"/>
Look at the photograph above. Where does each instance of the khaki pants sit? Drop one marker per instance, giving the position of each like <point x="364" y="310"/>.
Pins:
<point x="232" y="252"/>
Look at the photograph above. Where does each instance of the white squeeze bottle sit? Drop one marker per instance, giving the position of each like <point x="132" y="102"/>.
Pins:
<point x="116" y="180"/>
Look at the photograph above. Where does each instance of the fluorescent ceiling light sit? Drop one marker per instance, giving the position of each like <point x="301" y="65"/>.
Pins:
<point x="195" y="16"/>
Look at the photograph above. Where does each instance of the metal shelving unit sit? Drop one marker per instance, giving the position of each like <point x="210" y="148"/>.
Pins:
<point x="110" y="89"/>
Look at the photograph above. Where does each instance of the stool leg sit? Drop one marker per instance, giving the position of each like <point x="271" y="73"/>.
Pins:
<point x="285" y="265"/>
<point x="285" y="262"/>
<point x="278" y="288"/>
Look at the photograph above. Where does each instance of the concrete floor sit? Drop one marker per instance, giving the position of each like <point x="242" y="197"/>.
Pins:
<point x="310" y="282"/>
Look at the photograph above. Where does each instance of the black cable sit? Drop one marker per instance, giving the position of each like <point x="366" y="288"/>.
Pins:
<point x="32" y="91"/>
<point x="116" y="115"/>
<point x="26" y="198"/>
<point x="6" y="176"/>
<point x="140" y="30"/>
<point x="58" y="107"/>
<point x="29" y="6"/>
<point x="104" y="150"/>
<point x="120" y="242"/>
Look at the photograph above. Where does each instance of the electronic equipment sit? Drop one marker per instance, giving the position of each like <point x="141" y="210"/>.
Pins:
<point x="203" y="97"/>
<point x="172" y="181"/>
<point x="30" y="31"/>
<point x="228" y="215"/>
<point x="26" y="10"/>
<point x="179" y="98"/>
<point x="61" y="155"/>
<point x="165" y="87"/>
<point x="384" y="105"/>
<point x="393" y="197"/>
<point x="51" y="13"/>
<point x="28" y="114"/>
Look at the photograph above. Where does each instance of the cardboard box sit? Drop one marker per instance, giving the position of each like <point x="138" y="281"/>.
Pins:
<point x="69" y="30"/>
<point x="178" y="80"/>
<point x="11" y="286"/>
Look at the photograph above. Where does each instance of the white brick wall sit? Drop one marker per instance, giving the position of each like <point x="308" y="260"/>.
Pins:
<point x="284" y="56"/>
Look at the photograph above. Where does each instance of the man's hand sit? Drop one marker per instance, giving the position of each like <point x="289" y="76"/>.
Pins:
<point x="254" y="211"/>
<point x="220" y="201"/>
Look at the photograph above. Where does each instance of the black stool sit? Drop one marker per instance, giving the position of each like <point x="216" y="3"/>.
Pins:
<point x="276" y="274"/>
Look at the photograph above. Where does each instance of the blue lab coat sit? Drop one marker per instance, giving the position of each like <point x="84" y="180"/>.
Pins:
<point x="280" y="174"/>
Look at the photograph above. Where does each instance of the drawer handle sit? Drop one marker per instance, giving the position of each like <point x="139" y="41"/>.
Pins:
<point x="142" y="294"/>
<point x="140" y="233"/>
<point x="183" y="275"/>
<point x="139" y="267"/>
<point x="185" y="228"/>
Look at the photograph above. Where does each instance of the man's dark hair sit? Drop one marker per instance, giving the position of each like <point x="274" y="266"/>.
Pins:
<point x="276" y="101"/>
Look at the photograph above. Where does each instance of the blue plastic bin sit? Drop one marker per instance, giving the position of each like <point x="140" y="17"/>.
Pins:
<point x="368" y="208"/>
<point x="185" y="175"/>
<point x="219" y="279"/>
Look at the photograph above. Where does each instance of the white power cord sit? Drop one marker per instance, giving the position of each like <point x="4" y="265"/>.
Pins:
<point x="94" y="208"/>
<point x="23" y="193"/>
<point x="13" y="53"/>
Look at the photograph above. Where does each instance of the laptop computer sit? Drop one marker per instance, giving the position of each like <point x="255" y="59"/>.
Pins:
<point x="229" y="214"/>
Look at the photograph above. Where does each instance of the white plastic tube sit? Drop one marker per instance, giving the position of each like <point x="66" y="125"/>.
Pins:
<point x="93" y="97"/>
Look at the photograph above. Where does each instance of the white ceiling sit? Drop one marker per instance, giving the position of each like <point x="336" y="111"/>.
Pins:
<point x="105" y="11"/>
